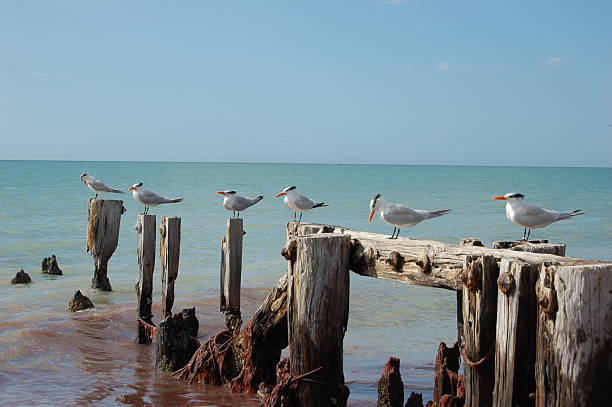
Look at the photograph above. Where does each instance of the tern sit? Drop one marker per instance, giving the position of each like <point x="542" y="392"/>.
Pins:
<point x="237" y="203"/>
<point x="148" y="198"/>
<point x="299" y="203"/>
<point x="400" y="215"/>
<point x="98" y="186"/>
<point x="530" y="216"/>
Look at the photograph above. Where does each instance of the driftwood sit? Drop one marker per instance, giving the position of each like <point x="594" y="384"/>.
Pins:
<point x="420" y="262"/>
<point x="169" y="253"/>
<point x="390" y="385"/>
<point x="145" y="228"/>
<point x="574" y="339"/>
<point x="479" y="319"/>
<point x="231" y="270"/>
<point x="104" y="219"/>
<point x="79" y="302"/>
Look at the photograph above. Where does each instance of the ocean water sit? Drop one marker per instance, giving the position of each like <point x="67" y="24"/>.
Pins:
<point x="49" y="356"/>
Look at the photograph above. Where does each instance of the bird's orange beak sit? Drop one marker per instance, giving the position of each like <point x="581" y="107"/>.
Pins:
<point x="220" y="192"/>
<point x="131" y="189"/>
<point x="371" y="216"/>
<point x="280" y="194"/>
<point x="85" y="183"/>
<point x="499" y="198"/>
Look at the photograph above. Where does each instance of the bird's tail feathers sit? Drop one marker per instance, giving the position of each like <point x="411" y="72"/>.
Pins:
<point x="259" y="198"/>
<point x="175" y="200"/>
<point x="568" y="215"/>
<point x="435" y="214"/>
<point x="320" y="204"/>
<point x="116" y="191"/>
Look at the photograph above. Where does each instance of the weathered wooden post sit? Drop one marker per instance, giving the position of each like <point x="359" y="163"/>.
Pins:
<point x="104" y="219"/>
<point x="390" y="385"/>
<point x="231" y="270"/>
<point x="515" y="334"/>
<point x="479" y="307"/>
<point x="169" y="252"/>
<point x="574" y="340"/>
<point x="145" y="228"/>
<point x="318" y="306"/>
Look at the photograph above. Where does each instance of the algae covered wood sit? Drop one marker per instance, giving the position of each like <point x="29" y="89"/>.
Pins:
<point x="231" y="271"/>
<point x="318" y="303"/>
<point x="169" y="253"/>
<point x="479" y="319"/>
<point x="515" y="334"/>
<point x="419" y="262"/>
<point x="146" y="232"/>
<point x="574" y="341"/>
<point x="104" y="219"/>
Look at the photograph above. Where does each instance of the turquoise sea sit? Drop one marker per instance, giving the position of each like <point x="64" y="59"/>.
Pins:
<point x="49" y="356"/>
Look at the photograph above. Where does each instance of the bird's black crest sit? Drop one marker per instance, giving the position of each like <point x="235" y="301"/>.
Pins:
<point x="376" y="198"/>
<point x="231" y="192"/>
<point x="139" y="184"/>
<point x="517" y="195"/>
<point x="291" y="188"/>
<point x="83" y="175"/>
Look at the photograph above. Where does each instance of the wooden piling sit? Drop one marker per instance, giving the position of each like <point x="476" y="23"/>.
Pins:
<point x="169" y="252"/>
<point x="390" y="385"/>
<point x="515" y="334"/>
<point x="479" y="307"/>
<point x="318" y="302"/>
<point x="104" y="219"/>
<point x="231" y="271"/>
<point x="574" y="339"/>
<point x="146" y="230"/>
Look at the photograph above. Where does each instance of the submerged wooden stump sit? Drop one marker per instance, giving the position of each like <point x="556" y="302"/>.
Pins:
<point x="169" y="253"/>
<point x="480" y="316"/>
<point x="446" y="375"/>
<point x="574" y="339"/>
<point x="231" y="271"/>
<point x="317" y="317"/>
<point x="175" y="343"/>
<point x="515" y="334"/>
<point x="145" y="228"/>
<point x="390" y="385"/>
<point x="104" y="219"/>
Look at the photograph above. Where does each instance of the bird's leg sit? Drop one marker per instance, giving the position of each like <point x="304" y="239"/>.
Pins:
<point x="294" y="216"/>
<point x="300" y="217"/>
<point x="238" y="214"/>
<point x="96" y="196"/>
<point x="234" y="215"/>
<point x="397" y="234"/>
<point x="524" y="234"/>
<point x="528" y="234"/>
<point x="392" y="233"/>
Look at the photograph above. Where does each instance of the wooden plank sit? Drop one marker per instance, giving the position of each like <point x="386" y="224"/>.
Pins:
<point x="420" y="262"/>
<point x="479" y="320"/>
<point x="318" y="302"/>
<point x="104" y="219"/>
<point x="231" y="271"/>
<point x="146" y="230"/>
<point x="169" y="253"/>
<point x="574" y="340"/>
<point x="515" y="334"/>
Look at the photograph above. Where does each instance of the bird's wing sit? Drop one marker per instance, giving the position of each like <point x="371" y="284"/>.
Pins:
<point x="403" y="215"/>
<point x="303" y="203"/>
<point x="98" y="185"/>
<point x="534" y="215"/>
<point x="151" y="197"/>
<point x="241" y="203"/>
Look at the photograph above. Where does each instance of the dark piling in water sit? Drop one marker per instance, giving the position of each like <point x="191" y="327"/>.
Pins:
<point x="79" y="302"/>
<point x="49" y="266"/>
<point x="390" y="385"/>
<point x="21" y="278"/>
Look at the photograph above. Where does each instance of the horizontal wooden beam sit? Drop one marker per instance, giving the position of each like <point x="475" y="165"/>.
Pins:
<point x="420" y="262"/>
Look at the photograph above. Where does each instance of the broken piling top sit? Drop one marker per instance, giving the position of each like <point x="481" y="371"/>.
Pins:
<point x="104" y="220"/>
<point x="169" y="253"/>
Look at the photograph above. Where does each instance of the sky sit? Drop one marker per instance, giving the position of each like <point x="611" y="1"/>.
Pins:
<point x="447" y="82"/>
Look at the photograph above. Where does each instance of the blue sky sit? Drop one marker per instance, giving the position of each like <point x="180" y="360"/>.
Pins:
<point x="362" y="81"/>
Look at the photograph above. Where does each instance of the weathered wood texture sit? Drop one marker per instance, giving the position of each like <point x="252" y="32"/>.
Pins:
<point x="574" y="340"/>
<point x="479" y="318"/>
<point x="146" y="232"/>
<point x="515" y="334"/>
<point x="104" y="219"/>
<point x="446" y="374"/>
<point x="231" y="271"/>
<point x="420" y="262"/>
<point x="540" y="246"/>
<point x="390" y="385"/>
<point x="317" y="316"/>
<point x="169" y="253"/>
<point x="175" y="344"/>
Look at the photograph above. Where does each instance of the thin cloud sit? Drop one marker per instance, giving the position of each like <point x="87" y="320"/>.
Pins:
<point x="555" y="62"/>
<point x="443" y="66"/>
